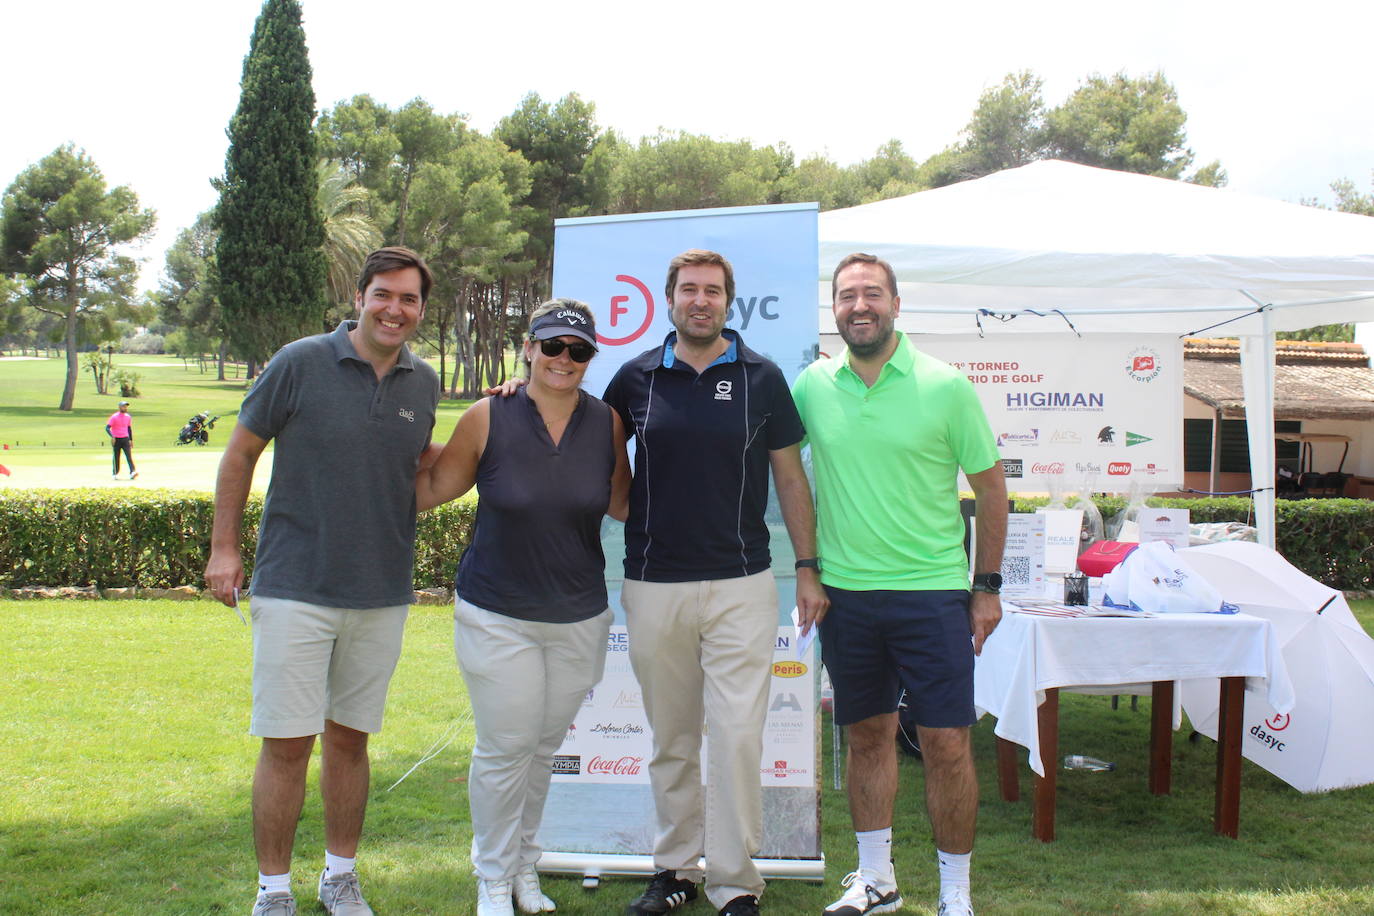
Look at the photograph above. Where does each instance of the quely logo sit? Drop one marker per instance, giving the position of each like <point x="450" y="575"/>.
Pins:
<point x="1119" y="468"/>
<point x="406" y="413"/>
<point x="723" y="389"/>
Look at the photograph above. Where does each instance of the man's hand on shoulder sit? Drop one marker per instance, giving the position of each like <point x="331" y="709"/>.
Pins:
<point x="506" y="388"/>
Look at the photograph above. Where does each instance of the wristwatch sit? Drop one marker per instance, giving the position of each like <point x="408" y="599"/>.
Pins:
<point x="988" y="582"/>
<point x="809" y="563"/>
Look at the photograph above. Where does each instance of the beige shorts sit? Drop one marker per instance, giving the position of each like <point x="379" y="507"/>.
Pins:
<point x="313" y="663"/>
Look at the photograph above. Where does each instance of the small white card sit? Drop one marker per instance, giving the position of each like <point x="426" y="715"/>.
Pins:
<point x="1168" y="525"/>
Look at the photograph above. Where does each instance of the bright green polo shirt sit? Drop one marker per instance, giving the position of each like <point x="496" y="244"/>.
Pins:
<point x="886" y="461"/>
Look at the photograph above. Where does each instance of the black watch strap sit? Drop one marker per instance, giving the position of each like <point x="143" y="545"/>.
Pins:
<point x="988" y="582"/>
<point x="809" y="563"/>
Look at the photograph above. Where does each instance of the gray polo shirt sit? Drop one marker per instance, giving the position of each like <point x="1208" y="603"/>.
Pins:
<point x="338" y="524"/>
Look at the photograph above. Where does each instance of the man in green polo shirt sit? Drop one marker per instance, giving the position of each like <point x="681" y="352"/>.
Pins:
<point x="890" y="431"/>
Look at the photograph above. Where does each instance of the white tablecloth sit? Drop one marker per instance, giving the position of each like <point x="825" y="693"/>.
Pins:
<point x="1027" y="654"/>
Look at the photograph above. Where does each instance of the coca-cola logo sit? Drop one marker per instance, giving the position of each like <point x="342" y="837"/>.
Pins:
<point x="617" y="766"/>
<point x="1047" y="467"/>
<point x="1119" y="468"/>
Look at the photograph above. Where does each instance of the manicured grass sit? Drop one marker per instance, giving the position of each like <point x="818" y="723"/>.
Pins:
<point x="125" y="769"/>
<point x="47" y="447"/>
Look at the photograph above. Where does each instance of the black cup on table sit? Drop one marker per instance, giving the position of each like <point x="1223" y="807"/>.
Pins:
<point x="1076" y="589"/>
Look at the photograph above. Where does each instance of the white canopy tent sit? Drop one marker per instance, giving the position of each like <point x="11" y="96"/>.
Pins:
<point x="1117" y="252"/>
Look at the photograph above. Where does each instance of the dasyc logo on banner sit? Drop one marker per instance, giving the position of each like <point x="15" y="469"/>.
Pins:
<point x="619" y="265"/>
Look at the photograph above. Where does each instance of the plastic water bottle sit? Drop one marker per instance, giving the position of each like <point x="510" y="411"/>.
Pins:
<point x="1079" y="762"/>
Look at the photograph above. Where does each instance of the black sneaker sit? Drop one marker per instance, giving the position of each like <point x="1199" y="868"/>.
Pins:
<point x="744" y="905"/>
<point x="666" y="891"/>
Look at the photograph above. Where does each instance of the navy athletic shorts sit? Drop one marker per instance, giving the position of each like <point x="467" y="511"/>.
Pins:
<point x="874" y="643"/>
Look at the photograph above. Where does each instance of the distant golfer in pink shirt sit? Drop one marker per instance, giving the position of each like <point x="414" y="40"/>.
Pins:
<point x="120" y="429"/>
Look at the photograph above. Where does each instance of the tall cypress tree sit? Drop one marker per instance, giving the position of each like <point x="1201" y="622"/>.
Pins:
<point x="271" y="261"/>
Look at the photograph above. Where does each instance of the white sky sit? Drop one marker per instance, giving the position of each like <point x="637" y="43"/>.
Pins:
<point x="1281" y="93"/>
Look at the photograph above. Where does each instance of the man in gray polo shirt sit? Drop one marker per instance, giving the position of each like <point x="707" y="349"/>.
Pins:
<point x="351" y="413"/>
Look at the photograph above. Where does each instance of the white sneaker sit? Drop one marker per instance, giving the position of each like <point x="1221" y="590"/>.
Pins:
<point x="865" y="894"/>
<point x="493" y="898"/>
<point x="277" y="903"/>
<point x="528" y="895"/>
<point x="955" y="902"/>
<point x="134" y="476"/>
<point x="341" y="895"/>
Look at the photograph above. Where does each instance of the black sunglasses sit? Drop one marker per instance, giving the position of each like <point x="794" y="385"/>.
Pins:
<point x="578" y="352"/>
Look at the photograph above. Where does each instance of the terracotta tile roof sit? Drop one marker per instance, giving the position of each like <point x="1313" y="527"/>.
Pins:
<point x="1312" y="380"/>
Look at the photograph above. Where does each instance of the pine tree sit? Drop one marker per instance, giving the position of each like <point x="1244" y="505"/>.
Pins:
<point x="271" y="262"/>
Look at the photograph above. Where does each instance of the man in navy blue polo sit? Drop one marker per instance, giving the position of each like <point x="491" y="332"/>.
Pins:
<point x="710" y="417"/>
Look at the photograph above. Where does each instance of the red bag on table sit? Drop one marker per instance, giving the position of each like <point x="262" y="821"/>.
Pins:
<point x="1104" y="556"/>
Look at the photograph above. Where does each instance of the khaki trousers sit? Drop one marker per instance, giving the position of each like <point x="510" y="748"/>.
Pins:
<point x="526" y="680"/>
<point x="703" y="653"/>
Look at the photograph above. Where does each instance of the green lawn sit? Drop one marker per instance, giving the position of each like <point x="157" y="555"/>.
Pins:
<point x="125" y="767"/>
<point x="42" y="446"/>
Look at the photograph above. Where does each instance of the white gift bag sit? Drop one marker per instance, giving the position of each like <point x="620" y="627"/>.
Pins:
<point x="1155" y="578"/>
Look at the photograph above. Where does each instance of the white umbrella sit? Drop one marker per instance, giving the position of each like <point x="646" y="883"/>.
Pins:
<point x="1327" y="740"/>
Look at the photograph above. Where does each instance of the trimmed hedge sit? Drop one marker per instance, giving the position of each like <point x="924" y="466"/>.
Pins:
<point x="161" y="538"/>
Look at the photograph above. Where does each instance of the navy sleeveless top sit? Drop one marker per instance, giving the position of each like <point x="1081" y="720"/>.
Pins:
<point x="536" y="551"/>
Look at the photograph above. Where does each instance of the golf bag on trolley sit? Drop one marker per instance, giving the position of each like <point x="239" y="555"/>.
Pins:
<point x="196" y="430"/>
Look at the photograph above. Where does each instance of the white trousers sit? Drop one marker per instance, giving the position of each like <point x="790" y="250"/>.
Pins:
<point x="526" y="681"/>
<point x="703" y="653"/>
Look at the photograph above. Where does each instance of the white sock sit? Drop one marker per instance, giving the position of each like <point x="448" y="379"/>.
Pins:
<point x="875" y="854"/>
<point x="271" y="884"/>
<point x="953" y="869"/>
<point x="338" y="865"/>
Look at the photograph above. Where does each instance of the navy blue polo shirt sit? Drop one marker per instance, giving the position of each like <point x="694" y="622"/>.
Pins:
<point x="700" y="484"/>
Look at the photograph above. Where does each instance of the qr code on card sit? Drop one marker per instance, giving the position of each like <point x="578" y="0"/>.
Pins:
<point x="1016" y="571"/>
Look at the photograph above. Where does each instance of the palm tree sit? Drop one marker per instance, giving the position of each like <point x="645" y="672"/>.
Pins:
<point x="349" y="235"/>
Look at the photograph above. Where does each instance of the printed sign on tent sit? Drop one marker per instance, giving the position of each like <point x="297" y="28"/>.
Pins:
<point x="1096" y="413"/>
